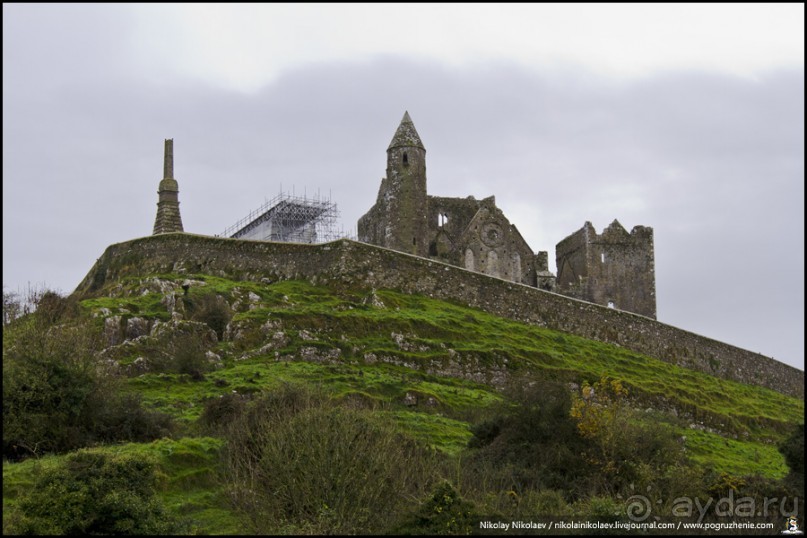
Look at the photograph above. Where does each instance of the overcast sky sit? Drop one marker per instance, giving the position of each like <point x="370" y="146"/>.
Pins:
<point x="684" y="117"/>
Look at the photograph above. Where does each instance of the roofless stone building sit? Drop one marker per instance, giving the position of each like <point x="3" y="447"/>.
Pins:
<point x="614" y="269"/>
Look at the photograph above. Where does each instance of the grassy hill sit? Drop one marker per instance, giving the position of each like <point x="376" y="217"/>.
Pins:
<point x="441" y="375"/>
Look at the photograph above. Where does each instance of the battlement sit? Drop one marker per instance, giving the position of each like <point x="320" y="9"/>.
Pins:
<point x="356" y="265"/>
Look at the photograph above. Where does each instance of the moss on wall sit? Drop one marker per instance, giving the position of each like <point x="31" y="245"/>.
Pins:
<point x="359" y="265"/>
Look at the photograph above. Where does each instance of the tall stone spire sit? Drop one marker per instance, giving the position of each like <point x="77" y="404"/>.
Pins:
<point x="168" y="217"/>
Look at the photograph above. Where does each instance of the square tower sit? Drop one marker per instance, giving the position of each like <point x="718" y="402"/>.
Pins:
<point x="614" y="269"/>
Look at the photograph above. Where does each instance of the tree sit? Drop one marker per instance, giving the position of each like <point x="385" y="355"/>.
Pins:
<point x="12" y="307"/>
<point x="16" y="305"/>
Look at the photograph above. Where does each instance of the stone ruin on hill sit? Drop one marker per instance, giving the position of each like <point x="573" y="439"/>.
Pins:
<point x="614" y="269"/>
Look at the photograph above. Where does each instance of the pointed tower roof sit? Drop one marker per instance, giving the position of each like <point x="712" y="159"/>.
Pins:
<point x="406" y="135"/>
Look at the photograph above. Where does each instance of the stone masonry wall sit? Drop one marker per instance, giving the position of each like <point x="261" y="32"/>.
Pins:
<point x="361" y="265"/>
<point x="615" y="267"/>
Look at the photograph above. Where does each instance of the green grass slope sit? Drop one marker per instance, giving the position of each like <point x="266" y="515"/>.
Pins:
<point x="356" y="328"/>
<point x="431" y="367"/>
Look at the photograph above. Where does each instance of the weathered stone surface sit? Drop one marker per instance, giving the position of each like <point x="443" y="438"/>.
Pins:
<point x="615" y="268"/>
<point x="410" y="399"/>
<point x="136" y="327"/>
<point x="168" y="218"/>
<point x="367" y="267"/>
<point x="214" y="359"/>
<point x="398" y="219"/>
<point x="170" y="331"/>
<point x="150" y="346"/>
<point x="465" y="232"/>
<point x="113" y="335"/>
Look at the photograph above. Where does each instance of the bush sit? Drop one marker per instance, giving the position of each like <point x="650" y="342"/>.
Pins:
<point x="211" y="309"/>
<point x="57" y="397"/>
<point x="184" y="353"/>
<point x="190" y="358"/>
<point x="531" y="443"/>
<point x="12" y="307"/>
<point x="601" y="507"/>
<point x="623" y="447"/>
<point x="792" y="449"/>
<point x="52" y="307"/>
<point x="94" y="493"/>
<point x="222" y="411"/>
<point x="445" y="512"/>
<point x="123" y="418"/>
<point x="50" y="304"/>
<point x="545" y="503"/>
<point x="485" y="432"/>
<point x="296" y="467"/>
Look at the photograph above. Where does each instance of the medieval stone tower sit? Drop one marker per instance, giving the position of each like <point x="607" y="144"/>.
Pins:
<point x="465" y="232"/>
<point x="614" y="269"/>
<point x="168" y="217"/>
<point x="398" y="219"/>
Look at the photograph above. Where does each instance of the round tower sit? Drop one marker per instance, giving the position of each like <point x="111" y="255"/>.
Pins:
<point x="404" y="191"/>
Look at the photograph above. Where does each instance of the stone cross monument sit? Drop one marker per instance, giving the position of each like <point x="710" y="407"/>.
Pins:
<point x="168" y="217"/>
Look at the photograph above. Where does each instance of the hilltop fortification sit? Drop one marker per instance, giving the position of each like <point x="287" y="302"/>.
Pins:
<point x="356" y="265"/>
<point x="457" y="249"/>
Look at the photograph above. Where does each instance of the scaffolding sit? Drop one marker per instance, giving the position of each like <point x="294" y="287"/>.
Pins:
<point x="290" y="219"/>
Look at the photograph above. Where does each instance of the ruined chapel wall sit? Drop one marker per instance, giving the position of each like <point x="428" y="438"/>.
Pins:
<point x="366" y="266"/>
<point x="372" y="224"/>
<point x="571" y="259"/>
<point x="466" y="223"/>
<point x="459" y="212"/>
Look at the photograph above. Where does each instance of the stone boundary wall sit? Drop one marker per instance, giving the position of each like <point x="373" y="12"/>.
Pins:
<point x="361" y="265"/>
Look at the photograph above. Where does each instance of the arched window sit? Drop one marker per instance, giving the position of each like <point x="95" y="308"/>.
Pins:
<point x="405" y="159"/>
<point x="469" y="260"/>
<point x="493" y="264"/>
<point x="516" y="267"/>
